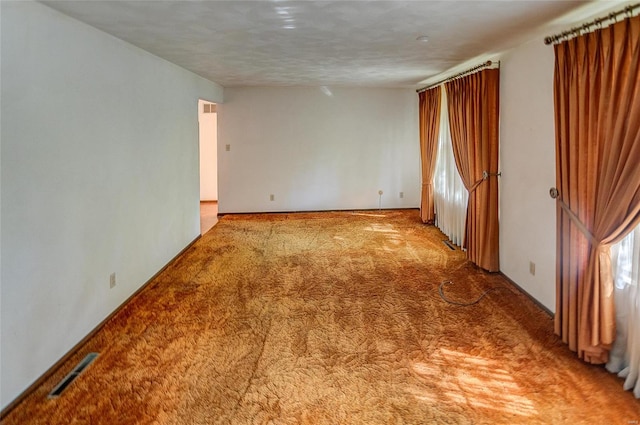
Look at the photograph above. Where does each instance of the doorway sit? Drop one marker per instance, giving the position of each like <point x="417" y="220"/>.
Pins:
<point x="208" y="139"/>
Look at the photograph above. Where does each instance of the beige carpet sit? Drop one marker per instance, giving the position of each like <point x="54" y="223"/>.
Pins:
<point x="329" y="318"/>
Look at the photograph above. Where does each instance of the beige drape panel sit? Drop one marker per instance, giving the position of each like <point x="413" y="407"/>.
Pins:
<point x="474" y="118"/>
<point x="597" y="113"/>
<point x="429" y="102"/>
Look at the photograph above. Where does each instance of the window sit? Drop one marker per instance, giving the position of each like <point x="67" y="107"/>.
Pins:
<point x="449" y="194"/>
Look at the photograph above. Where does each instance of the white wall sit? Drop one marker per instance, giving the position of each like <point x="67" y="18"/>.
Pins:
<point x="208" y="153"/>
<point x="527" y="159"/>
<point x="317" y="151"/>
<point x="99" y="175"/>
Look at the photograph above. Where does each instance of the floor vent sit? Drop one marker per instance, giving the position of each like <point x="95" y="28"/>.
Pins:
<point x="449" y="244"/>
<point x="89" y="358"/>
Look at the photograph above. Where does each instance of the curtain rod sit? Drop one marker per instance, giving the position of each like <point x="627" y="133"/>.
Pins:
<point x="598" y="21"/>
<point x="460" y="74"/>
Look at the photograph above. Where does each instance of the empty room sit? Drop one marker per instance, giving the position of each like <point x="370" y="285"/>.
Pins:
<point x="319" y="212"/>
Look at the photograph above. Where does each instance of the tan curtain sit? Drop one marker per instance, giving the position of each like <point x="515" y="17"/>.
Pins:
<point x="597" y="113"/>
<point x="429" y="101"/>
<point x="474" y="118"/>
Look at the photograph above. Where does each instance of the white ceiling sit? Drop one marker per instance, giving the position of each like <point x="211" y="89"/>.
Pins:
<point x="319" y="43"/>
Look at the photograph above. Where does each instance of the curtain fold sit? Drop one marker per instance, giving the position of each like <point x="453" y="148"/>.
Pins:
<point x="429" y="110"/>
<point x="597" y="114"/>
<point x="474" y="118"/>
<point x="449" y="194"/>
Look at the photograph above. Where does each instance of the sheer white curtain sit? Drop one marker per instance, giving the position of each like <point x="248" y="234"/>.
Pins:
<point x="449" y="194"/>
<point x="625" y="354"/>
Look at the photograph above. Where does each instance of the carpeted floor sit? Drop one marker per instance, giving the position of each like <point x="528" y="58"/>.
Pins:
<point x="329" y="318"/>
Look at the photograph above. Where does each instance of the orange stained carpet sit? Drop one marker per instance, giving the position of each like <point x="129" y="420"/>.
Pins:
<point x="328" y="318"/>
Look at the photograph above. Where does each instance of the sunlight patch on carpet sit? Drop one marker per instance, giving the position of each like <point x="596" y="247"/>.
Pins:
<point x="381" y="227"/>
<point x="369" y="214"/>
<point x="482" y="379"/>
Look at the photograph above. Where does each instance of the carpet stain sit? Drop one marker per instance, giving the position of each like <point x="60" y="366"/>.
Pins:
<point x="328" y="318"/>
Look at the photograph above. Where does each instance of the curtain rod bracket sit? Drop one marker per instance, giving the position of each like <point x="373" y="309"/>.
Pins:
<point x="486" y="174"/>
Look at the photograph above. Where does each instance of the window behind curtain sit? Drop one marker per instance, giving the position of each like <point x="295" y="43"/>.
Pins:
<point x="625" y="354"/>
<point x="450" y="195"/>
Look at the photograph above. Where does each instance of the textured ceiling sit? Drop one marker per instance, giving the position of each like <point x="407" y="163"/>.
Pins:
<point x="318" y="43"/>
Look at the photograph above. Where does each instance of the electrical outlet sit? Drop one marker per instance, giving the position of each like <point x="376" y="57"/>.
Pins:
<point x="227" y="148"/>
<point x="402" y="194"/>
<point x="272" y="197"/>
<point x="112" y="280"/>
<point x="532" y="268"/>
